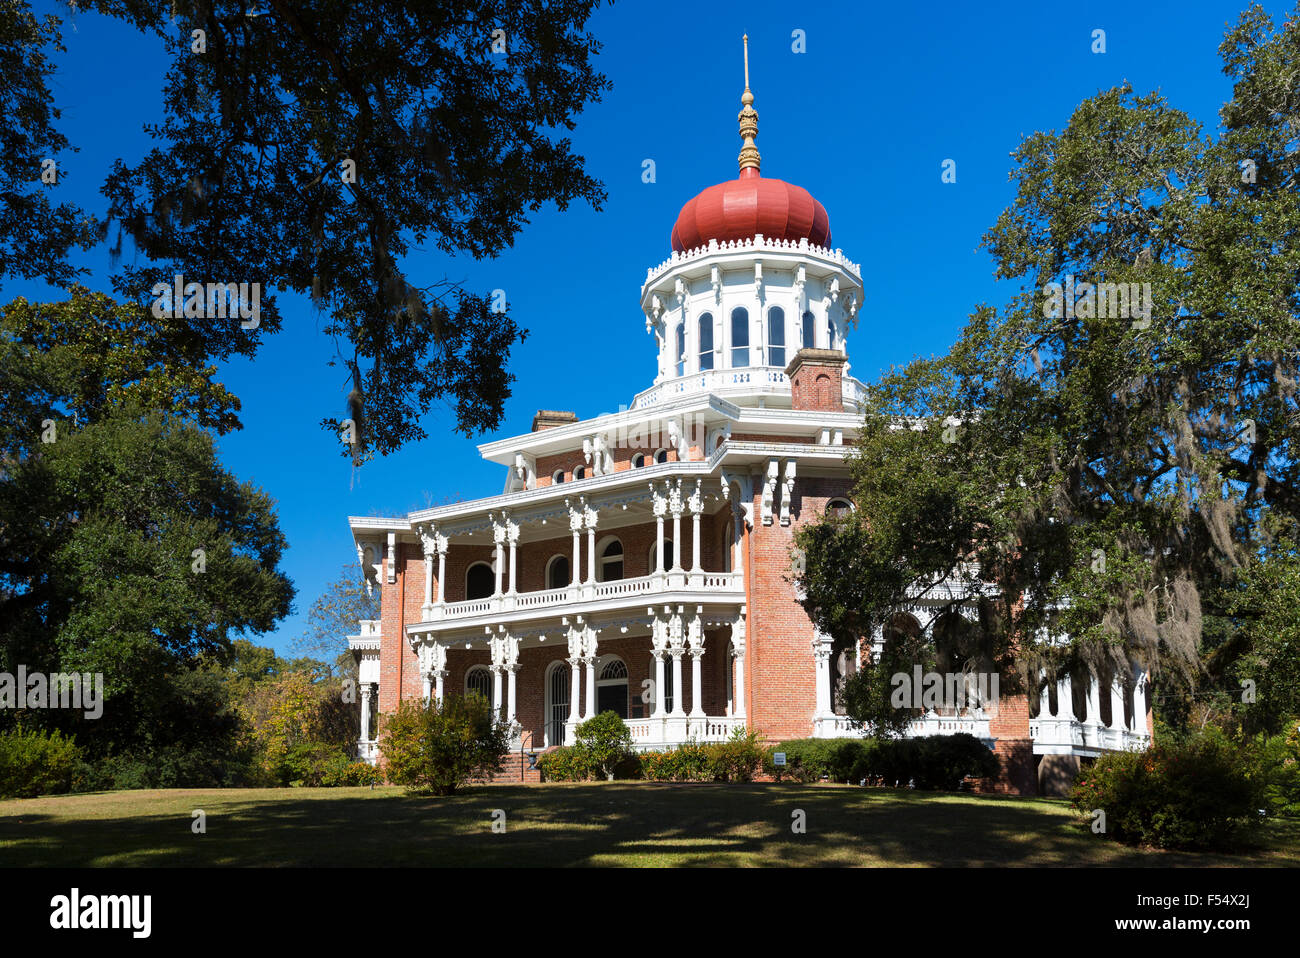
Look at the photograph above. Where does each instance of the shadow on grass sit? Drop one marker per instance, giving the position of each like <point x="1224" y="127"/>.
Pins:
<point x="563" y="825"/>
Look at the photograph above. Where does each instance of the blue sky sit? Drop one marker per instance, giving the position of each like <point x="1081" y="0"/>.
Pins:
<point x="863" y="119"/>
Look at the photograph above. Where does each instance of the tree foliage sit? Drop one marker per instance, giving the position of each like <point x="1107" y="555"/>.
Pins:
<point x="1117" y="479"/>
<point x="313" y="147"/>
<point x="439" y="747"/>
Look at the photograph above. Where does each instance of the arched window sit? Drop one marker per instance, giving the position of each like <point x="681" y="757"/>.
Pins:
<point x="558" y="477"/>
<point x="776" y="337"/>
<point x="579" y="473"/>
<point x="557" y="702"/>
<point x="611" y="688"/>
<point x="809" y="330"/>
<point x="638" y="460"/>
<point x="611" y="562"/>
<point x="480" y="581"/>
<point x="557" y="572"/>
<point x="478" y="681"/>
<point x="668" y="555"/>
<point x="830" y="333"/>
<point x="739" y="337"/>
<point x="681" y="349"/>
<point x="661" y="456"/>
<point x="706" y="341"/>
<point x="839" y="508"/>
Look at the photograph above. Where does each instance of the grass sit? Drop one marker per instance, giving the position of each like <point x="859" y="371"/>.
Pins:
<point x="618" y="823"/>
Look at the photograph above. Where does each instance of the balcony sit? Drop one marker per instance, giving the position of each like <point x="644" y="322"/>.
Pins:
<point x="1069" y="735"/>
<point x="839" y="726"/>
<point x="586" y="598"/>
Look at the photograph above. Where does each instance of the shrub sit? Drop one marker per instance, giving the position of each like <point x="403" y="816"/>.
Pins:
<point x="565" y="764"/>
<point x="439" y="747"/>
<point x="738" y="759"/>
<point x="605" y="741"/>
<point x="1279" y="760"/>
<point x="342" y="772"/>
<point x="940" y="761"/>
<point x="36" y="763"/>
<point x="1203" y="792"/>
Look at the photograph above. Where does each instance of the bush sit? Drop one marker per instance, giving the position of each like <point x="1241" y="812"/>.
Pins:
<point x="1203" y="792"/>
<point x="736" y="760"/>
<point x="939" y="761"/>
<point x="36" y="763"/>
<point x="605" y="741"/>
<point x="566" y="764"/>
<point x="439" y="747"/>
<point x="1279" y="760"/>
<point x="342" y="772"/>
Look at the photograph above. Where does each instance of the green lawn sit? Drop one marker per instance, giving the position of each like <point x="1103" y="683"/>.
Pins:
<point x="595" y="824"/>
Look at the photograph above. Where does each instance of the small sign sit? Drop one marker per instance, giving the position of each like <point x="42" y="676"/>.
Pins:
<point x="778" y="758"/>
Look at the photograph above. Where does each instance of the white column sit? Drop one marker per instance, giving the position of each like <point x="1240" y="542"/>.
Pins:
<point x="365" y="712"/>
<point x="675" y="504"/>
<point x="738" y="683"/>
<point x="498" y="565"/>
<point x="1140" y="702"/>
<point x="429" y="548"/>
<point x="677" y="683"/>
<point x="1116" y="703"/>
<point x="1093" y="702"/>
<point x="496" y="688"/>
<point x="511" y="671"/>
<point x="660" y="507"/>
<point x="697" y="507"/>
<point x="1065" y="698"/>
<point x="589" y="520"/>
<point x="696" y="638"/>
<point x="697" y="699"/>
<point x="737" y="549"/>
<point x="512" y="537"/>
<point x="438" y="690"/>
<point x="426" y="687"/>
<point x="575" y="689"/>
<point x="822" y="655"/>
<point x="1044" y="696"/>
<point x="591" y="686"/>
<point x="659" y="683"/>
<point x="442" y="570"/>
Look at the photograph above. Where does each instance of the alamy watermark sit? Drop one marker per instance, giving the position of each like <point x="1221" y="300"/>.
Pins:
<point x="59" y="690"/>
<point x="1084" y="300"/>
<point x="947" y="690"/>
<point x="208" y="301"/>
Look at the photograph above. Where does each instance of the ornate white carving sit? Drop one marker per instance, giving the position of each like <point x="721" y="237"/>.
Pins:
<point x="788" y="495"/>
<point x="392" y="558"/>
<point x="769" y="491"/>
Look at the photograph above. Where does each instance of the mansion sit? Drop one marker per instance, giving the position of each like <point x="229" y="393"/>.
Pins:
<point x="644" y="561"/>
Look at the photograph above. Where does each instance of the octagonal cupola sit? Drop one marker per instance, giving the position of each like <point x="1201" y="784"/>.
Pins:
<point x="751" y="281"/>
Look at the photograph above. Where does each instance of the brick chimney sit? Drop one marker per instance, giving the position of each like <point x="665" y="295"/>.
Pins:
<point x="550" y="418"/>
<point x="816" y="378"/>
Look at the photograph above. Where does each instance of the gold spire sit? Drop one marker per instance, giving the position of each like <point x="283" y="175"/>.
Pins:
<point x="748" y="118"/>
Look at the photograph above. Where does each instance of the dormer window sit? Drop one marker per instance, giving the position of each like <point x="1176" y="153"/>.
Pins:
<point x="705" y="339"/>
<point x="776" y="337"/>
<point x="739" y="337"/>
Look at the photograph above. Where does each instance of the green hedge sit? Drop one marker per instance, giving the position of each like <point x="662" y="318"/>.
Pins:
<point x="736" y="760"/>
<point x="935" y="762"/>
<point x="36" y="763"/>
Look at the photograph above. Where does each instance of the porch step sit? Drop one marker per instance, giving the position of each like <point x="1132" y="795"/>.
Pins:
<point x="514" y="769"/>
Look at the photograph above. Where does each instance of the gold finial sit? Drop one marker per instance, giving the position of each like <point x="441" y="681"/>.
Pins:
<point x="748" y="121"/>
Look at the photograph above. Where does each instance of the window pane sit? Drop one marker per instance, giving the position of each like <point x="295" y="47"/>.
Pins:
<point x="808" y="341"/>
<point x="706" y="341"/>
<point x="740" y="336"/>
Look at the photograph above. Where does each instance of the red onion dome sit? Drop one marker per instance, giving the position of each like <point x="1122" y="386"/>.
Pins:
<point x="743" y="208"/>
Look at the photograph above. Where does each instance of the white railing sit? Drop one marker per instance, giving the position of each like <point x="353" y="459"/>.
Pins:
<point x="668" y="731"/>
<point x="707" y="582"/>
<point x="1063" y="734"/>
<point x="840" y="726"/>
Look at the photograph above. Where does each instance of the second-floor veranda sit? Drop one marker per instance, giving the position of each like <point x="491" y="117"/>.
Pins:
<point x="665" y="540"/>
